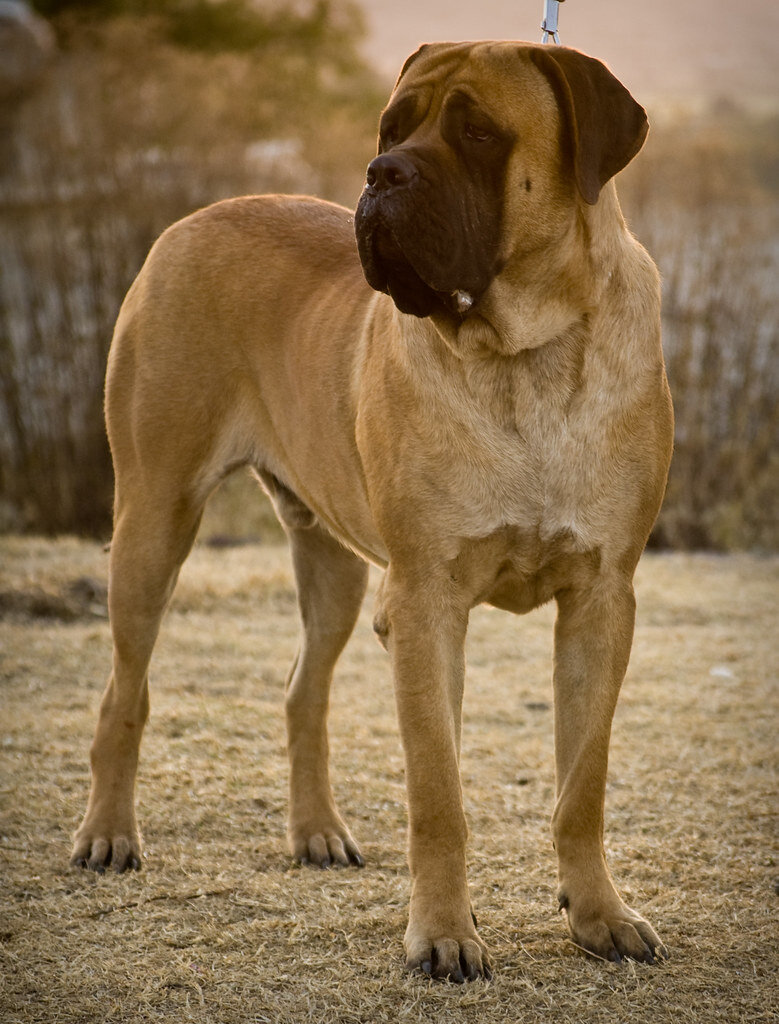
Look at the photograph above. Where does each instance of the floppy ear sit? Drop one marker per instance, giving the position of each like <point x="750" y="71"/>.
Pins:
<point x="427" y="49"/>
<point x="410" y="60"/>
<point x="606" y="125"/>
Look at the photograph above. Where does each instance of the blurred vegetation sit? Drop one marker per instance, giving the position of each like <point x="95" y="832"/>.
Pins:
<point x="152" y="108"/>
<point x="704" y="199"/>
<point x="147" y="112"/>
<point x="219" y="26"/>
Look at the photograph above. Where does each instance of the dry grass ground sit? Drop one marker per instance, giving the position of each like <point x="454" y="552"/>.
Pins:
<point x="221" y="927"/>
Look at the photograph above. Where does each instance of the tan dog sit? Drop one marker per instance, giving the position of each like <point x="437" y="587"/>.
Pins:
<point x="498" y="429"/>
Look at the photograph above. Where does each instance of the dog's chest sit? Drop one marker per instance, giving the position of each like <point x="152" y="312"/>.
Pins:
<point x="518" y="470"/>
<point x="537" y="458"/>
<point x="542" y="485"/>
<point x="527" y="515"/>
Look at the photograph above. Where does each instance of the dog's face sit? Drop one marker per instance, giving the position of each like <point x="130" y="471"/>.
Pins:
<point x="484" y="148"/>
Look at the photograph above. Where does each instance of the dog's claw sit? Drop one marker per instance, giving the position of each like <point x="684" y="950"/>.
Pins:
<point x="326" y="849"/>
<point x="612" y="932"/>
<point x="450" y="960"/>
<point x="97" y="849"/>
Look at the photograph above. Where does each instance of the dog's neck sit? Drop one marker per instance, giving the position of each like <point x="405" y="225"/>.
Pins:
<point x="542" y="296"/>
<point x="546" y="330"/>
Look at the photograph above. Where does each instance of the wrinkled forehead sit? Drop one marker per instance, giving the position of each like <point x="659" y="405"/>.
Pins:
<point x="498" y="76"/>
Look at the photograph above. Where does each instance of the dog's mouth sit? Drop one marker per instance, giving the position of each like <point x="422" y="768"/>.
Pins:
<point x="389" y="268"/>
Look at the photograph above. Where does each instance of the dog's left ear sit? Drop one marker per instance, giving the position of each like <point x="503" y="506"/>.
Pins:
<point x="606" y="125"/>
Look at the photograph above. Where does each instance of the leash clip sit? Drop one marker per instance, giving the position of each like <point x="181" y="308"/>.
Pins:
<point x="549" y="24"/>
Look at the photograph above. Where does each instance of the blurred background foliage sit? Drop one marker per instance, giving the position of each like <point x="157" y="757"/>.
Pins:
<point x="139" y="111"/>
<point x="145" y="111"/>
<point x="703" y="197"/>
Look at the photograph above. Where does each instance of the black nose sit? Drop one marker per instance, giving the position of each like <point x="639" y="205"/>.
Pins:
<point x="389" y="171"/>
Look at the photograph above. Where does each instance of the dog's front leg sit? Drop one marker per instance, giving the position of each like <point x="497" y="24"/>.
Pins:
<point x="593" y="636"/>
<point x="424" y="630"/>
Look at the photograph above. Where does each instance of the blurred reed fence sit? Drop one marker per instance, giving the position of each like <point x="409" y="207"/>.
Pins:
<point x="704" y="199"/>
<point x="131" y="130"/>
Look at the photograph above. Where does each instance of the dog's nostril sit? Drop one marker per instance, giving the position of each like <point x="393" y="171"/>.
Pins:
<point x="389" y="171"/>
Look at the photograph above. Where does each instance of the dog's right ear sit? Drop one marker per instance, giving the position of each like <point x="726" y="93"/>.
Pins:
<point x="606" y="125"/>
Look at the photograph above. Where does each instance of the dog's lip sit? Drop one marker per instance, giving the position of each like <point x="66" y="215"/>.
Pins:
<point x="458" y="302"/>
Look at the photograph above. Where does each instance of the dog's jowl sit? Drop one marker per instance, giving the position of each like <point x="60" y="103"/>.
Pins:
<point x="462" y="383"/>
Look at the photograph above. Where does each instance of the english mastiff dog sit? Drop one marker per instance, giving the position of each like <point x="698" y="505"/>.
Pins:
<point x="462" y="383"/>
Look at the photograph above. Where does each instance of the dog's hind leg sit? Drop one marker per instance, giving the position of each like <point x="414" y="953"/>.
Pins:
<point x="155" y="526"/>
<point x="331" y="583"/>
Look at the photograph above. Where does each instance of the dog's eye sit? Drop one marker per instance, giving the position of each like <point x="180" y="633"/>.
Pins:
<point x="477" y="134"/>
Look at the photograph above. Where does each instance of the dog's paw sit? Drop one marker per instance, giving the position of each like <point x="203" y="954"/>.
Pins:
<point x="324" y="845"/>
<point x="99" y="849"/>
<point x="612" y="931"/>
<point x="458" y="958"/>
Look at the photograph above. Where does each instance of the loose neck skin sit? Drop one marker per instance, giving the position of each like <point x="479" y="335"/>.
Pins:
<point x="543" y="294"/>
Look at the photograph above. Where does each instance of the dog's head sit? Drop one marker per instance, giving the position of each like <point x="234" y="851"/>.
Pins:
<point x="483" y="147"/>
